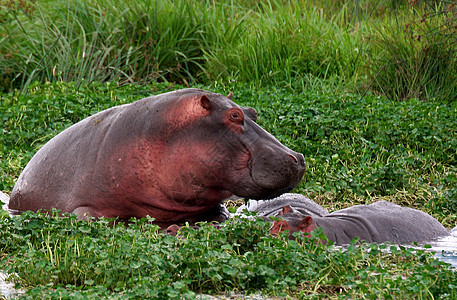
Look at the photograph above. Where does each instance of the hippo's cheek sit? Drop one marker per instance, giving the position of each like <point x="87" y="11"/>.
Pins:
<point x="275" y="177"/>
<point x="280" y="226"/>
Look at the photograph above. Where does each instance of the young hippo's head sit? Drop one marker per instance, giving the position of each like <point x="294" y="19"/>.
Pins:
<point x="293" y="221"/>
<point x="215" y="147"/>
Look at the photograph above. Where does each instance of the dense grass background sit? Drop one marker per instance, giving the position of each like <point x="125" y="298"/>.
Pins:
<point x="396" y="48"/>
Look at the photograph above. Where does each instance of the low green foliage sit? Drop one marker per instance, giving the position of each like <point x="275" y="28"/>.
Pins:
<point x="65" y="258"/>
<point x="357" y="150"/>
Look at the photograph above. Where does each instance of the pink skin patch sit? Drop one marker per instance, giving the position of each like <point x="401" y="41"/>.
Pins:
<point x="280" y="226"/>
<point x="185" y="112"/>
<point x="174" y="180"/>
<point x="234" y="119"/>
<point x="172" y="229"/>
<point x="306" y="225"/>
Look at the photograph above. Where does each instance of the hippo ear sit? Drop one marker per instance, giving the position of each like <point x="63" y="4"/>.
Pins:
<point x="285" y="210"/>
<point x="305" y="224"/>
<point x="205" y="102"/>
<point x="230" y="95"/>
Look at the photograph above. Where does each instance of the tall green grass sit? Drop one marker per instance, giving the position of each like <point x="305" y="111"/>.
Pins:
<point x="302" y="44"/>
<point x="413" y="59"/>
<point x="284" y="43"/>
<point x="87" y="41"/>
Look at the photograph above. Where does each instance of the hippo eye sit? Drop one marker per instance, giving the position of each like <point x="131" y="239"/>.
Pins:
<point x="236" y="115"/>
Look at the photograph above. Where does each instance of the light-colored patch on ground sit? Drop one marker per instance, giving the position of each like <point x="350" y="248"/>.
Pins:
<point x="7" y="290"/>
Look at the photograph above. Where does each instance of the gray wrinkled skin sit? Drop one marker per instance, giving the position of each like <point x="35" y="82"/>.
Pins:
<point x="271" y="208"/>
<point x="380" y="222"/>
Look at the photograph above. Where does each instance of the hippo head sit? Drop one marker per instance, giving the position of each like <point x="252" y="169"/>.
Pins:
<point x="268" y="168"/>
<point x="293" y="221"/>
<point x="229" y="152"/>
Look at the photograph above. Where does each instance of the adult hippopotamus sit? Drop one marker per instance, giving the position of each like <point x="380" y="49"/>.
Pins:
<point x="378" y="222"/>
<point x="297" y="203"/>
<point x="174" y="156"/>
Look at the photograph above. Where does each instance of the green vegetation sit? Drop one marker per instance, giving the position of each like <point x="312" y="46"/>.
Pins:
<point x="71" y="259"/>
<point x="391" y="48"/>
<point x="366" y="90"/>
<point x="357" y="151"/>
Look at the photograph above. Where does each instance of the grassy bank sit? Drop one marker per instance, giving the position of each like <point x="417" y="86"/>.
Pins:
<point x="391" y="48"/>
<point x="356" y="150"/>
<point x="61" y="258"/>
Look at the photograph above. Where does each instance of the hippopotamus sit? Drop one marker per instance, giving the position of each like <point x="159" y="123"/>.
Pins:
<point x="271" y="208"/>
<point x="174" y="157"/>
<point x="378" y="222"/>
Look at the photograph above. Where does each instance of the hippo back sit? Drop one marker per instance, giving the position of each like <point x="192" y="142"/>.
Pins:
<point x="271" y="208"/>
<point x="382" y="222"/>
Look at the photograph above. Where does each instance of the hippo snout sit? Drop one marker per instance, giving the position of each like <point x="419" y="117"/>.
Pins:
<point x="298" y="159"/>
<point x="278" y="173"/>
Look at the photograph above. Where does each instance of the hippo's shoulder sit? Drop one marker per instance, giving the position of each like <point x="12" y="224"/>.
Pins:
<point x="392" y="208"/>
<point x="384" y="205"/>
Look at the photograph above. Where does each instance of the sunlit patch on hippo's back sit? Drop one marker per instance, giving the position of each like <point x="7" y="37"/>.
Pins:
<point x="182" y="113"/>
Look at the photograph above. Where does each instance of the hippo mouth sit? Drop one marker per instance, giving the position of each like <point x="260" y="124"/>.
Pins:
<point x="268" y="176"/>
<point x="279" y="179"/>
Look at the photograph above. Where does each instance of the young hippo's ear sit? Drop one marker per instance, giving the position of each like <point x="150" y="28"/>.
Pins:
<point x="306" y="224"/>
<point x="172" y="229"/>
<point x="230" y="95"/>
<point x="205" y="102"/>
<point x="285" y="210"/>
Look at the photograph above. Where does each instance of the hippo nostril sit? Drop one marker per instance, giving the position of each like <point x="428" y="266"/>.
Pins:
<point x="298" y="159"/>
<point x="293" y="158"/>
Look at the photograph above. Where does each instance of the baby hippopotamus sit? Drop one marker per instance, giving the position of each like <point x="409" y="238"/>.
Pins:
<point x="378" y="222"/>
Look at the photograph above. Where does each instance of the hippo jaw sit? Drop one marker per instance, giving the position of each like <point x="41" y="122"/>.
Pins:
<point x="270" y="168"/>
<point x="281" y="174"/>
